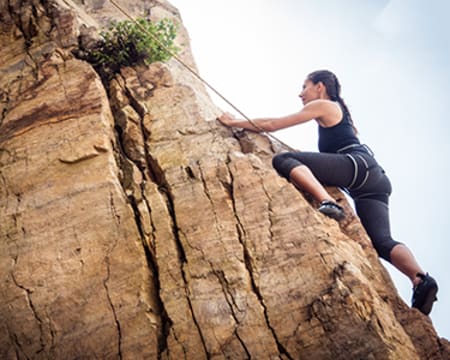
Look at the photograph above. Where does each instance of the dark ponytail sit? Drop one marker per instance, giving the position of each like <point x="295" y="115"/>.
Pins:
<point x="333" y="88"/>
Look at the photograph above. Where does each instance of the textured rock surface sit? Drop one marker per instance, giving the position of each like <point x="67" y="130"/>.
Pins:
<point x="132" y="225"/>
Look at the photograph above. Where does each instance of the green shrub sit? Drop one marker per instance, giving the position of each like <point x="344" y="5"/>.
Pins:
<point x="126" y="44"/>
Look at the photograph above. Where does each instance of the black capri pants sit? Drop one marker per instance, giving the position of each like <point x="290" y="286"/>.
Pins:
<point x="358" y="173"/>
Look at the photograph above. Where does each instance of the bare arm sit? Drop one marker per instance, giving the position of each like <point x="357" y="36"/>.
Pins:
<point x="312" y="110"/>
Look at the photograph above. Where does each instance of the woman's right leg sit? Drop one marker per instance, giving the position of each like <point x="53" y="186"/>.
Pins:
<point x="310" y="171"/>
<point x="304" y="179"/>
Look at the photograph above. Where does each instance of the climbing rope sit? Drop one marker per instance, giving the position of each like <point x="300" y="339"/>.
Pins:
<point x="193" y="72"/>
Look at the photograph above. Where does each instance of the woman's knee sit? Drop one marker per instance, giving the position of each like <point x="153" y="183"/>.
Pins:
<point x="284" y="163"/>
<point x="278" y="160"/>
<point x="384" y="247"/>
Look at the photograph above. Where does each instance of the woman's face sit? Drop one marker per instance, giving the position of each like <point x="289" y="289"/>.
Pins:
<point x="310" y="91"/>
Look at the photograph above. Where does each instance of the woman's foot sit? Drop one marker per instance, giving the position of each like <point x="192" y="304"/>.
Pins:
<point x="331" y="209"/>
<point x="424" y="294"/>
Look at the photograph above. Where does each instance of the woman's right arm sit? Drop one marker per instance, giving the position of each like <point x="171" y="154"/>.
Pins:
<point x="310" y="111"/>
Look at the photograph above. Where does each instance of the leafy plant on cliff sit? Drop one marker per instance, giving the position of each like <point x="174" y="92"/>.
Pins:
<point x="125" y="43"/>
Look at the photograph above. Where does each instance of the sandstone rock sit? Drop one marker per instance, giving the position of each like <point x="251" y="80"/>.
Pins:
<point x="134" y="226"/>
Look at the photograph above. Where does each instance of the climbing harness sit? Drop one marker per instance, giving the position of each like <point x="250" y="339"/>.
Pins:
<point x="355" y="147"/>
<point x="356" y="173"/>
<point x="351" y="152"/>
<point x="193" y="72"/>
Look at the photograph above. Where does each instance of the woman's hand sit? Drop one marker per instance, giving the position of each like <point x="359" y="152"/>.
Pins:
<point x="256" y="125"/>
<point x="228" y="120"/>
<point x="313" y="110"/>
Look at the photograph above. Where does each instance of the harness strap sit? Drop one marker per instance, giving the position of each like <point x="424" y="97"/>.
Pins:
<point x="356" y="174"/>
<point x="355" y="146"/>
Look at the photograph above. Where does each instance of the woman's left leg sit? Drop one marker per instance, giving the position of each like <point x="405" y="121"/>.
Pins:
<point x="374" y="215"/>
<point x="403" y="259"/>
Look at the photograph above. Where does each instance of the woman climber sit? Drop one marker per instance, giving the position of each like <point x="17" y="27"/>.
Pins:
<point x="344" y="162"/>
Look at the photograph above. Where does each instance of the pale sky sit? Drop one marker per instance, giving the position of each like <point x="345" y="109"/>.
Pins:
<point x="392" y="59"/>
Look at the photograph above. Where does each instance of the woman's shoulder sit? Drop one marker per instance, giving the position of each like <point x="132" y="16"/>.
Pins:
<point x="331" y="112"/>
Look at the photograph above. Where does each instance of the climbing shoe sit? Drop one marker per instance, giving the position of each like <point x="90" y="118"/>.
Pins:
<point x="331" y="209"/>
<point x="424" y="294"/>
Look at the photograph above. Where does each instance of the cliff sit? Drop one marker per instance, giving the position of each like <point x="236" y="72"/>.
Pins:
<point x="133" y="225"/>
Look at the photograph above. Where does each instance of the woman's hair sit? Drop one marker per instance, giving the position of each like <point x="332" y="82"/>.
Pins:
<point x="333" y="87"/>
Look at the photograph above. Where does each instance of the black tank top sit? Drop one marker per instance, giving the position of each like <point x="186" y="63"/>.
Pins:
<point x="338" y="136"/>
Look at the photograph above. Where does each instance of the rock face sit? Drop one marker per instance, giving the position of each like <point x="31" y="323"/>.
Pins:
<point x="133" y="225"/>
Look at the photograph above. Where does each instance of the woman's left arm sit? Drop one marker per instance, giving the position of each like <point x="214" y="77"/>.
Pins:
<point x="311" y="111"/>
